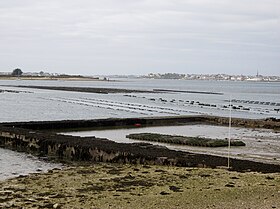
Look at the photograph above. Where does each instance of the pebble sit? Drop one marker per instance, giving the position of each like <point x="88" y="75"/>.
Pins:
<point x="56" y="205"/>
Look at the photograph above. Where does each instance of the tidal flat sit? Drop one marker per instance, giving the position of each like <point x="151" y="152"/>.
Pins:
<point x="140" y="186"/>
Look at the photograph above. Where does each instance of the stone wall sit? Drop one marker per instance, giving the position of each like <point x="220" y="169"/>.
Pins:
<point x="27" y="137"/>
<point x="110" y="122"/>
<point x="269" y="123"/>
<point x="72" y="148"/>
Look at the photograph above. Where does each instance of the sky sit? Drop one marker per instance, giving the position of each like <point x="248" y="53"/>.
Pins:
<point x="108" y="37"/>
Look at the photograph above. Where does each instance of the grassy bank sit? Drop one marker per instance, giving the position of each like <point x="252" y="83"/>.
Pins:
<point x="138" y="186"/>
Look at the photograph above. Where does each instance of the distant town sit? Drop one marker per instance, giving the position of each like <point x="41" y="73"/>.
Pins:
<point x="18" y="73"/>
<point x="256" y="77"/>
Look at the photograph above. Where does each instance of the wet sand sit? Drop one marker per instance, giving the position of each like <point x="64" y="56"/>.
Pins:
<point x="140" y="186"/>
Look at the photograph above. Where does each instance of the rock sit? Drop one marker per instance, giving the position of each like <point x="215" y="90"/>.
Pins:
<point x="48" y="205"/>
<point x="229" y="185"/>
<point x="234" y="177"/>
<point x="269" y="178"/>
<point x="175" y="189"/>
<point x="56" y="206"/>
<point x="164" y="193"/>
<point x="160" y="170"/>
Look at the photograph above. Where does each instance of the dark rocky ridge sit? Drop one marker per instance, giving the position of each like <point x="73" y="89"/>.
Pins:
<point x="111" y="90"/>
<point x="109" y="122"/>
<point x="189" y="92"/>
<point x="269" y="123"/>
<point x="184" y="140"/>
<point x="84" y="89"/>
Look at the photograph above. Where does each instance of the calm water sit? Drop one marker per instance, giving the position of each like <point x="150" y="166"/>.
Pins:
<point x="253" y="100"/>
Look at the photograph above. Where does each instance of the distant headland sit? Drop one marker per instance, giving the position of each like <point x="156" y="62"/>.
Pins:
<point x="18" y="74"/>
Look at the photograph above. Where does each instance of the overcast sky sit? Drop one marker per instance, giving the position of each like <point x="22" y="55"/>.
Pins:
<point x="94" y="37"/>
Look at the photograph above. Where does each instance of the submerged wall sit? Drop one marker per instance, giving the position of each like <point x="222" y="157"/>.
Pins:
<point x="110" y="122"/>
<point x="270" y="123"/>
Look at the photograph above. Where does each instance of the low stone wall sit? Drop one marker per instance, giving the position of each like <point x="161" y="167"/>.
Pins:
<point x="270" y="123"/>
<point x="73" y="148"/>
<point x="110" y="122"/>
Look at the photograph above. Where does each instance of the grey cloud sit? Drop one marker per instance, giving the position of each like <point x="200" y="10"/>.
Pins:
<point x="130" y="36"/>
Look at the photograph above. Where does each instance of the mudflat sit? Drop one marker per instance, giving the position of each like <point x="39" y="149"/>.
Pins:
<point x="105" y="185"/>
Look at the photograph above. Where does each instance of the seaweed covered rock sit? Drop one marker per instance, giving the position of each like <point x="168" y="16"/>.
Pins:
<point x="185" y="140"/>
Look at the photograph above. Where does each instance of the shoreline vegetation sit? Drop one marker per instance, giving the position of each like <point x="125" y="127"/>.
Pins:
<point x="106" y="185"/>
<point x="184" y="140"/>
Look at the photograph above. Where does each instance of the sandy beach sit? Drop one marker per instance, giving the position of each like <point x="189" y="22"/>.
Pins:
<point x="140" y="186"/>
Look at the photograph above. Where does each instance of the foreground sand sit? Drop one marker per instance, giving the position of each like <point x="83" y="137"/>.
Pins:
<point x="138" y="186"/>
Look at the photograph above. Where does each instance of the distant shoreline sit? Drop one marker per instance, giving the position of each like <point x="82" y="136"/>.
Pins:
<point x="110" y="79"/>
<point x="62" y="78"/>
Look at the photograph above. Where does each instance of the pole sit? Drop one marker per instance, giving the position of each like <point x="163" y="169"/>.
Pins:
<point x="229" y="127"/>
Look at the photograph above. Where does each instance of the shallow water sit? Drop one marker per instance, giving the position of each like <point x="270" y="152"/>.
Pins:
<point x="261" y="145"/>
<point x="254" y="100"/>
<point x="13" y="164"/>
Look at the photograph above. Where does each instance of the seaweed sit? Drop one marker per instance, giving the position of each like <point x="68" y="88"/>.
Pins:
<point x="185" y="140"/>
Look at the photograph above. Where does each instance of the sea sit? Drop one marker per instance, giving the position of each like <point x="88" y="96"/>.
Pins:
<point x="184" y="97"/>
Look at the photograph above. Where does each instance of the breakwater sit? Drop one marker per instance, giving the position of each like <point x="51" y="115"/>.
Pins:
<point x="269" y="123"/>
<point x="105" y="123"/>
<point x="37" y="138"/>
<point x="83" y="89"/>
